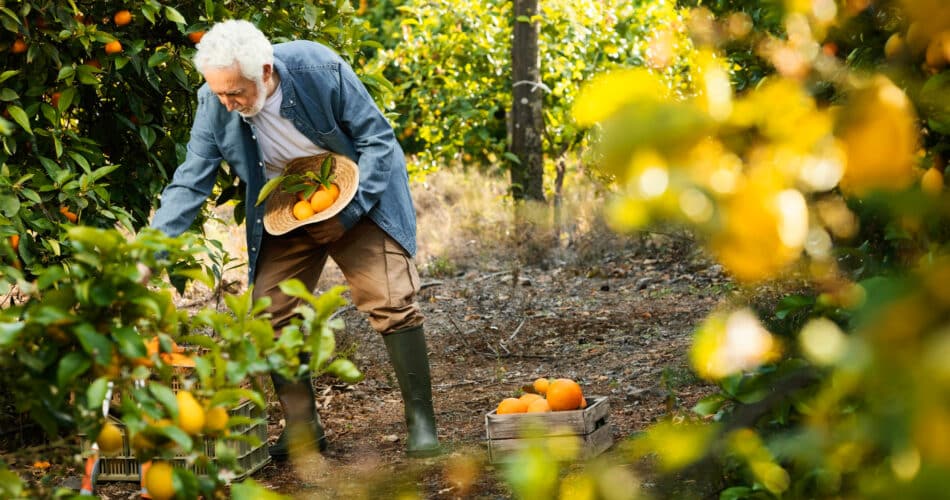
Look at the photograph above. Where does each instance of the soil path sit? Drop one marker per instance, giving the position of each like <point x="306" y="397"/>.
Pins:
<point x="621" y="329"/>
<point x="620" y="326"/>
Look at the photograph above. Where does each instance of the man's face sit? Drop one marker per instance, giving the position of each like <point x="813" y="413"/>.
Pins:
<point x="236" y="92"/>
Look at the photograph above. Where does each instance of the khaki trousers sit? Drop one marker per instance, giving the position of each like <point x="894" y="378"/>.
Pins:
<point x="382" y="277"/>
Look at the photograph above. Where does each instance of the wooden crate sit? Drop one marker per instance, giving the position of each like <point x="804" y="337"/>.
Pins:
<point x="587" y="429"/>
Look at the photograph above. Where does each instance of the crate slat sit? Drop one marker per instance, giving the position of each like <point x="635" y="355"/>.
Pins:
<point x="590" y="445"/>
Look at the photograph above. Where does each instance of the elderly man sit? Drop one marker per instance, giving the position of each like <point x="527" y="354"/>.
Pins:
<point x="262" y="106"/>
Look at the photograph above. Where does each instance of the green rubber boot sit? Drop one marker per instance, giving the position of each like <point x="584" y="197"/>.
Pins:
<point x="302" y="423"/>
<point x="407" y="352"/>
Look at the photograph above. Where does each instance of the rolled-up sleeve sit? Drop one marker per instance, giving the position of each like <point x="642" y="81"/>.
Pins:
<point x="194" y="179"/>
<point x="373" y="139"/>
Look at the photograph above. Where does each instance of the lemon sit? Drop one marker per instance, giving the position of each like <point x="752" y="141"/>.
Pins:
<point x="216" y="420"/>
<point x="932" y="181"/>
<point x="158" y="481"/>
<point x="191" y="416"/>
<point x="110" y="439"/>
<point x="141" y="443"/>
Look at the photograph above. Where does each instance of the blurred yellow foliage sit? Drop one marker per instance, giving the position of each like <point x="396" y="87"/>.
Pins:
<point x="730" y="342"/>
<point x="675" y="444"/>
<point x="607" y="94"/>
<point x="879" y="131"/>
<point x="764" y="227"/>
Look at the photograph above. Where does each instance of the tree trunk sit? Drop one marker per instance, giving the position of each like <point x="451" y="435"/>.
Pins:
<point x="527" y="125"/>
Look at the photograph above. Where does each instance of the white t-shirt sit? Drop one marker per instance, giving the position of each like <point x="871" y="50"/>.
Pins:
<point x="280" y="141"/>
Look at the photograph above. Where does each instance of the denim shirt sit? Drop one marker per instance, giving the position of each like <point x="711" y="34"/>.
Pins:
<point x="327" y="103"/>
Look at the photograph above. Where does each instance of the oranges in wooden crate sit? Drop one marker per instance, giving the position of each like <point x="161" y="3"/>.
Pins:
<point x="562" y="394"/>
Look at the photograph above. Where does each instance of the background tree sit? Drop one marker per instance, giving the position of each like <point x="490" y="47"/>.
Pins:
<point x="527" y="125"/>
<point x="450" y="64"/>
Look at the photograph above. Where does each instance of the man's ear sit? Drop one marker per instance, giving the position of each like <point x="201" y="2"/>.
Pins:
<point x="268" y="71"/>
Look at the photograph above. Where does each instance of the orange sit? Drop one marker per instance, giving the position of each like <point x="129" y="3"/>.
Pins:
<point x="321" y="200"/>
<point x="196" y="36"/>
<point x="539" y="405"/>
<point x="511" y="405"/>
<point x="113" y="47"/>
<point x="565" y="394"/>
<point x="71" y="217"/>
<point x="54" y="99"/>
<point x="176" y="359"/>
<point x="122" y="18"/>
<point x="152" y="346"/>
<point x="303" y="210"/>
<point x="334" y="191"/>
<point x="113" y="370"/>
<point x="19" y="46"/>
<point x="530" y="397"/>
<point x="15" y="242"/>
<point x="541" y="385"/>
<point x="94" y="63"/>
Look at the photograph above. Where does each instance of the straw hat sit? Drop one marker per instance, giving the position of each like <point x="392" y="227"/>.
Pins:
<point x="278" y="212"/>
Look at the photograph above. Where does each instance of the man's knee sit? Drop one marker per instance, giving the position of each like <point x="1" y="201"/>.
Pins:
<point x="388" y="320"/>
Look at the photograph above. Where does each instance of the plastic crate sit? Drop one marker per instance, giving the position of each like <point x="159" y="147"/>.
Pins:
<point x="126" y="467"/>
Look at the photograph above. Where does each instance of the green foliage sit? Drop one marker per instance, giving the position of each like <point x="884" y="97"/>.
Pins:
<point x="836" y="391"/>
<point x="450" y="63"/>
<point x="100" y="133"/>
<point x="83" y="333"/>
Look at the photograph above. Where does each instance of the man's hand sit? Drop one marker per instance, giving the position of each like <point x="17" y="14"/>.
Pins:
<point x="145" y="273"/>
<point x="326" y="232"/>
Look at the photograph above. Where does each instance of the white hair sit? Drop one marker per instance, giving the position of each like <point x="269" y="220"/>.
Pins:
<point x="235" y="42"/>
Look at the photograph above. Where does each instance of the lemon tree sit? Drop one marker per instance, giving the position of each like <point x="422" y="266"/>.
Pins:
<point x="817" y="162"/>
<point x="80" y="331"/>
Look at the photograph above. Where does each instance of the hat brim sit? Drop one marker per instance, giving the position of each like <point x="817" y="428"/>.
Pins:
<point x="279" y="208"/>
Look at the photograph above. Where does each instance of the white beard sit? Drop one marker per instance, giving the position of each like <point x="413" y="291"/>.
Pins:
<point x="259" y="103"/>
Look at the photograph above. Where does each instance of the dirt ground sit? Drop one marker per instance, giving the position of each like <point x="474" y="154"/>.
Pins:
<point x="619" y="326"/>
<point x="621" y="329"/>
<point x="617" y="320"/>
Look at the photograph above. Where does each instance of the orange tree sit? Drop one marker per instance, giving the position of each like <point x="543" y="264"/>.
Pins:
<point x="819" y="159"/>
<point x="97" y="103"/>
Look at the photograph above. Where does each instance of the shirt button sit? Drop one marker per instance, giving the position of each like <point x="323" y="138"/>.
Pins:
<point x="258" y="221"/>
<point x="260" y="163"/>
<point x="254" y="249"/>
<point x="254" y="137"/>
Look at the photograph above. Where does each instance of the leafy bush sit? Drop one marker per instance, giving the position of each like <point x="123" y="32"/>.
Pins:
<point x="828" y="170"/>
<point x="83" y="333"/>
<point x="96" y="129"/>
